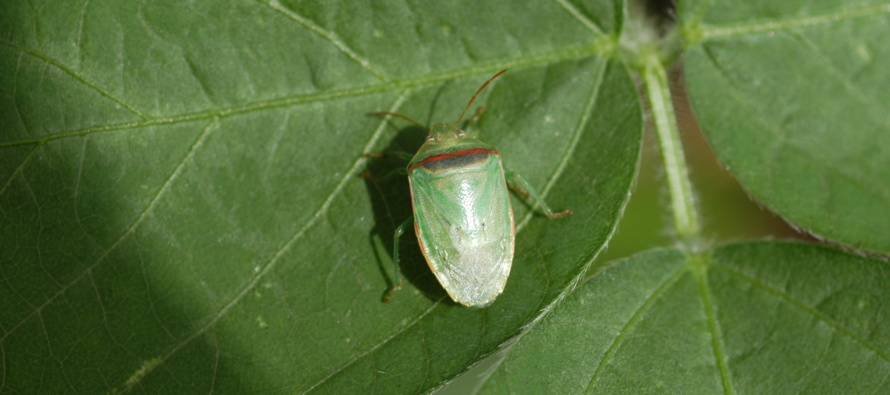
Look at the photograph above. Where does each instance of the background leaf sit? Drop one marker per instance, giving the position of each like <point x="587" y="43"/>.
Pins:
<point x="761" y="317"/>
<point x="791" y="96"/>
<point x="181" y="208"/>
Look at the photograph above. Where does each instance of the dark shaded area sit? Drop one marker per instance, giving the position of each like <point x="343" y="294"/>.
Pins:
<point x="663" y="13"/>
<point x="390" y="196"/>
<point x="663" y="9"/>
<point x="104" y="289"/>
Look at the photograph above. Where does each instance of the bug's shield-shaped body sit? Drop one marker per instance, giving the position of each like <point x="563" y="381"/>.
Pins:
<point x="462" y="215"/>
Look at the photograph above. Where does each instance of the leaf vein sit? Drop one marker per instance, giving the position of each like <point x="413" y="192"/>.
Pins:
<point x="76" y="193"/>
<point x="715" y="32"/>
<point x="2" y="367"/>
<point x="700" y="262"/>
<point x="572" y="53"/>
<point x="78" y="41"/>
<point x="767" y="124"/>
<point x="576" y="139"/>
<point x="77" y="76"/>
<point x="877" y="387"/>
<point x="14" y="94"/>
<point x="588" y="261"/>
<point x="273" y="261"/>
<point x="18" y="170"/>
<point x="330" y="36"/>
<point x="809" y="309"/>
<point x="877" y="112"/>
<point x="377" y="346"/>
<point x="636" y="317"/>
<point x="864" y="185"/>
<point x="144" y="214"/>
<point x="573" y="11"/>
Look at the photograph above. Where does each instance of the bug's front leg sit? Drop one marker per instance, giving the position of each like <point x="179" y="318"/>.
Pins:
<point x="398" y="154"/>
<point x="401" y="171"/>
<point x="522" y="187"/>
<point x="397" y="278"/>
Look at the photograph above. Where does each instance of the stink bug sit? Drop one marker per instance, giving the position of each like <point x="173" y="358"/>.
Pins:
<point x="462" y="214"/>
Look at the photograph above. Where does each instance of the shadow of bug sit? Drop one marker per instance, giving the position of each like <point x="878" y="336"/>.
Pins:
<point x="390" y="196"/>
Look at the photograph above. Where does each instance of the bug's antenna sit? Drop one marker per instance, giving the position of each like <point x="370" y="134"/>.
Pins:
<point x="382" y="113"/>
<point x="477" y="93"/>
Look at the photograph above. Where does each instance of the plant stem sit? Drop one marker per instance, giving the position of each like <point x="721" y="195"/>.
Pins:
<point x="686" y="223"/>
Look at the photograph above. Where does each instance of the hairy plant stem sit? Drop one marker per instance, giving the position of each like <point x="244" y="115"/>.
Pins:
<point x="685" y="214"/>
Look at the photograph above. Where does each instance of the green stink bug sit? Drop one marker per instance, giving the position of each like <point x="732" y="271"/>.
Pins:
<point x="462" y="214"/>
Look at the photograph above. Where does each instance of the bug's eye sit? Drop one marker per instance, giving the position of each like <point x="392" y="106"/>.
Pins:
<point x="461" y="133"/>
<point x="430" y="138"/>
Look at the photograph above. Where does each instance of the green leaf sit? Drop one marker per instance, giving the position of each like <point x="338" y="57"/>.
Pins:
<point x="182" y="209"/>
<point x="792" y="97"/>
<point x="761" y="317"/>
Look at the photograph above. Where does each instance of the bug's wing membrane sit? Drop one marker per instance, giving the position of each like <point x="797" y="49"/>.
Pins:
<point x="465" y="226"/>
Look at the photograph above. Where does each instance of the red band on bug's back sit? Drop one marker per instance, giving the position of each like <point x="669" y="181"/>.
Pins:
<point x="439" y="157"/>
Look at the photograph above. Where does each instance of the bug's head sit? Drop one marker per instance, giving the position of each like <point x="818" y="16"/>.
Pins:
<point x="444" y="132"/>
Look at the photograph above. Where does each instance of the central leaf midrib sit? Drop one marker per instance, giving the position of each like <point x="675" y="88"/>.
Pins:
<point x="422" y="81"/>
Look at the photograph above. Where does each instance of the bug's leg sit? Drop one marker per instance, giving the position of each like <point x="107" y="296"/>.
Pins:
<point x="471" y="123"/>
<point x="397" y="278"/>
<point x="398" y="154"/>
<point x="522" y="187"/>
<point x="386" y="177"/>
<point x="401" y="171"/>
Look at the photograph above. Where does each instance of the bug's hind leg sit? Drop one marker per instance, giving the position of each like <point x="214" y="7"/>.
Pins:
<point x="397" y="278"/>
<point x="522" y="187"/>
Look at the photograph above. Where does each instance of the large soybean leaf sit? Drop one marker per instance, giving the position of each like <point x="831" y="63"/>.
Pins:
<point x="182" y="209"/>
<point x="759" y="318"/>
<point x="793" y="97"/>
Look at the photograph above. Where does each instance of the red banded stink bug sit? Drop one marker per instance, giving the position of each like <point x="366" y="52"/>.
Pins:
<point x="462" y="213"/>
